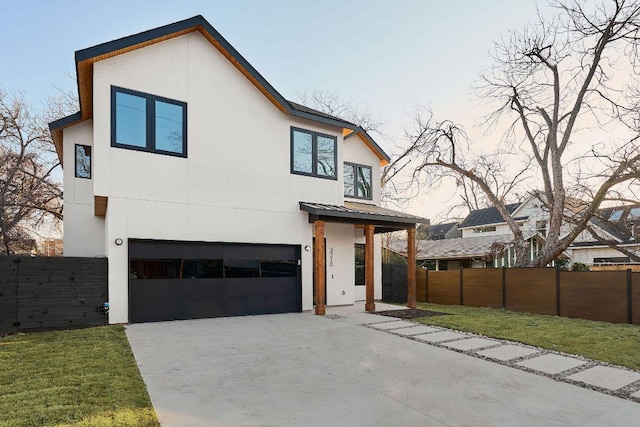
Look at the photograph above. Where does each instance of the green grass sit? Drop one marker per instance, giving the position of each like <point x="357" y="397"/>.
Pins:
<point x="614" y="343"/>
<point x="84" y="377"/>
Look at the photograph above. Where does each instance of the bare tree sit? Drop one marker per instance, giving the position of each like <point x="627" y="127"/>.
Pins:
<point x="335" y="105"/>
<point x="30" y="192"/>
<point x="552" y="82"/>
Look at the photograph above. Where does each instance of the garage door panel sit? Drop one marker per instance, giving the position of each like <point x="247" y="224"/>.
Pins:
<point x="190" y="298"/>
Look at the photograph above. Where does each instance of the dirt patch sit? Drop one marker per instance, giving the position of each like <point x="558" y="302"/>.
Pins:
<point x="410" y="313"/>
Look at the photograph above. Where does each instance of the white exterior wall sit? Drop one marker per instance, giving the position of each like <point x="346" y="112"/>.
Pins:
<point x="234" y="186"/>
<point x="585" y="255"/>
<point x="84" y="232"/>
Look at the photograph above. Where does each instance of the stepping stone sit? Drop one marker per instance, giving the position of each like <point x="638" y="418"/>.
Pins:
<point x="440" y="336"/>
<point x="636" y="394"/>
<point x="415" y="330"/>
<point x="606" y="377"/>
<point x="551" y="363"/>
<point x="470" y="344"/>
<point x="507" y="352"/>
<point x="392" y="325"/>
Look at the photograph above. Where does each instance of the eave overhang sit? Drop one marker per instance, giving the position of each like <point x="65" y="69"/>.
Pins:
<point x="360" y="214"/>
<point x="85" y="59"/>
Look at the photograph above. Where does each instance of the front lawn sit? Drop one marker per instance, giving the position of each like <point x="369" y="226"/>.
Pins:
<point x="614" y="343"/>
<point x="85" y="377"/>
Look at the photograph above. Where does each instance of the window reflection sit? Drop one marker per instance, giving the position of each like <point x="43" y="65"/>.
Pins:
<point x="131" y="120"/>
<point x="302" y="152"/>
<point x="349" y="184"/>
<point x="83" y="161"/>
<point x="168" y="127"/>
<point x="151" y="269"/>
<point x="326" y="156"/>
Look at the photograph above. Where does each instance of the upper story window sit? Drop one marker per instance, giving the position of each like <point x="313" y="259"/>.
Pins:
<point x="83" y="161"/>
<point x="541" y="227"/>
<point x="357" y="181"/>
<point x="487" y="229"/>
<point x="313" y="153"/>
<point x="616" y="215"/>
<point x="144" y="122"/>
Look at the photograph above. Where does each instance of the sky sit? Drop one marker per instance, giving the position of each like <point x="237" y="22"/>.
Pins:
<point x="388" y="56"/>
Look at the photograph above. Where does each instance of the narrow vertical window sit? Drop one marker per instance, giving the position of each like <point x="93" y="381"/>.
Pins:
<point x="131" y="120"/>
<point x="83" y="161"/>
<point x="349" y="180"/>
<point x="302" y="152"/>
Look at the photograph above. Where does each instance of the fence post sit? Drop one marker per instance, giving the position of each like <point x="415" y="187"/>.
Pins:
<point x="461" y="292"/>
<point x="426" y="285"/>
<point x="17" y="261"/>
<point x="557" y="289"/>
<point x="629" y="298"/>
<point x="504" y="287"/>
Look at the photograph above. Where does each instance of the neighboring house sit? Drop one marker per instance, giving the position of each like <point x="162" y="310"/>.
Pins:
<point x="210" y="193"/>
<point x="484" y="233"/>
<point x="620" y="225"/>
<point x="448" y="230"/>
<point x="485" y="239"/>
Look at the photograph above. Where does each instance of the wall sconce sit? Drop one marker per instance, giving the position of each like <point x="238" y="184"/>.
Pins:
<point x="307" y="248"/>
<point x="119" y="241"/>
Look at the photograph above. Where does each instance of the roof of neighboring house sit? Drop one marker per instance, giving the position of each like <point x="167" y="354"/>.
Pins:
<point x="619" y="229"/>
<point x="438" y="231"/>
<point x="85" y="59"/>
<point x="453" y="248"/>
<point x="488" y="216"/>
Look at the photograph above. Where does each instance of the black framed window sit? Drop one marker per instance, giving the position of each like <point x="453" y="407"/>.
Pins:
<point x="83" y="161"/>
<point x="145" y="122"/>
<point x="313" y="153"/>
<point x="357" y="181"/>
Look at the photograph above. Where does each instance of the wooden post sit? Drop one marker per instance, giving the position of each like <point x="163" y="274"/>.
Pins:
<point x="368" y="268"/>
<point x="411" y="268"/>
<point x="319" y="261"/>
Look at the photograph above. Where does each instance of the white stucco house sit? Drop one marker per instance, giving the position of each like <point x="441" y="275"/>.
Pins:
<point x="210" y="193"/>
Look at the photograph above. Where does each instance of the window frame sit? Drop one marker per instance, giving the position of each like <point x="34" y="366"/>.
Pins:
<point x="314" y="153"/>
<point x="75" y="160"/>
<point x="355" y="167"/>
<point x="150" y="122"/>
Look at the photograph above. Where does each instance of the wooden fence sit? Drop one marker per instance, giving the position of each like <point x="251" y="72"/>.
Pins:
<point x="610" y="296"/>
<point x="51" y="292"/>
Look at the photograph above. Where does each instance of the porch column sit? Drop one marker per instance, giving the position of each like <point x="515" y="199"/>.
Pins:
<point x="368" y="267"/>
<point x="411" y="267"/>
<point x="319" y="262"/>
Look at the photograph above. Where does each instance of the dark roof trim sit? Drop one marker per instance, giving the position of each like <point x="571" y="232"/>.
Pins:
<point x="342" y="213"/>
<point x="65" y="121"/>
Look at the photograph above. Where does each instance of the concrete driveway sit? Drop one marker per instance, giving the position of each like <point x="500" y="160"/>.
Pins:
<point x="306" y="370"/>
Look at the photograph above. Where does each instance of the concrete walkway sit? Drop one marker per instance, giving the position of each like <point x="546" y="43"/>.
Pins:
<point x="351" y="369"/>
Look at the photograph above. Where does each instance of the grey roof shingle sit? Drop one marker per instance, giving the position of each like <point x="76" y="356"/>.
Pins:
<point x="453" y="248"/>
<point x="488" y="216"/>
<point x="363" y="211"/>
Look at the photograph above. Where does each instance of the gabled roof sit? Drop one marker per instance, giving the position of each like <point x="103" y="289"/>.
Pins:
<point x="488" y="216"/>
<point x="85" y="59"/>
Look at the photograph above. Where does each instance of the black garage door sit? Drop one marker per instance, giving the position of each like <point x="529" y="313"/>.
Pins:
<point x="185" y="280"/>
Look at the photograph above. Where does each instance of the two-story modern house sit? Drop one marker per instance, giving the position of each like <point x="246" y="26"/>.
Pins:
<point x="209" y="193"/>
